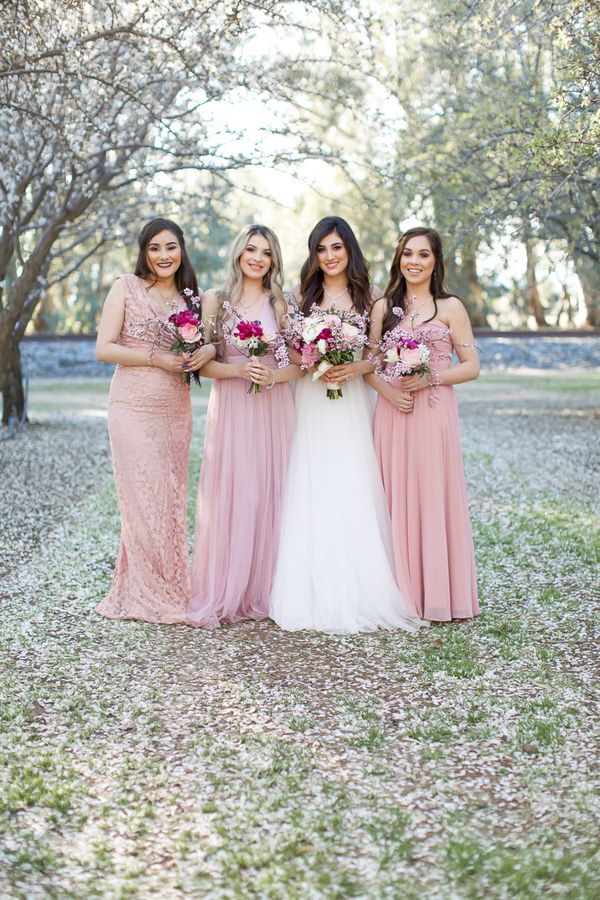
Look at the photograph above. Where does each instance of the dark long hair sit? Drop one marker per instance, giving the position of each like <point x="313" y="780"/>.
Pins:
<point x="185" y="277"/>
<point x="396" y="290"/>
<point x="311" y="275"/>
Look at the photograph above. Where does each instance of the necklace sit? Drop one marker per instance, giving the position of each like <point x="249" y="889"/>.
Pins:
<point x="413" y="302"/>
<point x="252" y="302"/>
<point x="169" y="302"/>
<point x="334" y="298"/>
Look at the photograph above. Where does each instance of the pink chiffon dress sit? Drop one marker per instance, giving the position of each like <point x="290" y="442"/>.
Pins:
<point x="421" y="464"/>
<point x="150" y="426"/>
<point x="245" y="458"/>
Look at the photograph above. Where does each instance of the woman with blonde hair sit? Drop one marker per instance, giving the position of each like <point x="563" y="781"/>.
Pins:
<point x="247" y="441"/>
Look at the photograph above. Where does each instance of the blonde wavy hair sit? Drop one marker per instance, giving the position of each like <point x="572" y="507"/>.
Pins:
<point x="272" y="281"/>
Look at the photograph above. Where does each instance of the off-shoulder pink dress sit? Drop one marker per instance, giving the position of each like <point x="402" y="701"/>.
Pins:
<point x="421" y="464"/>
<point x="245" y="459"/>
<point x="150" y="426"/>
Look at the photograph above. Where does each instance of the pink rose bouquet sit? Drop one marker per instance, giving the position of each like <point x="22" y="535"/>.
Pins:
<point x="403" y="355"/>
<point x="188" y="334"/>
<point x="400" y="353"/>
<point x="254" y="339"/>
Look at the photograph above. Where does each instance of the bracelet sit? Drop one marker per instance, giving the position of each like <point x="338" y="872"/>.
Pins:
<point x="269" y="386"/>
<point x="434" y="378"/>
<point x="151" y="353"/>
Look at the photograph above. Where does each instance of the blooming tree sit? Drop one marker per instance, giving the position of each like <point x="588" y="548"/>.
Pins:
<point x="98" y="97"/>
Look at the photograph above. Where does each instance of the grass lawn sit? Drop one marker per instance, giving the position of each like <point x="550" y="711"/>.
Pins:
<point x="145" y="761"/>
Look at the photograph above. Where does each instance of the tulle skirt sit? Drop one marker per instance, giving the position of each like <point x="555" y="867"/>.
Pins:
<point x="334" y="566"/>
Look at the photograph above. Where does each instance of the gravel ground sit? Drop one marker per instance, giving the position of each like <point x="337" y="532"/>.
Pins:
<point x="144" y="761"/>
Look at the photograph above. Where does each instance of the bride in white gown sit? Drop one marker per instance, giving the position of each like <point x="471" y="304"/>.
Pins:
<point x="334" y="567"/>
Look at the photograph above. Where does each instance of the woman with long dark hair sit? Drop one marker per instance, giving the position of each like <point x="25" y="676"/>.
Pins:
<point x="150" y="424"/>
<point x="419" y="449"/>
<point x="334" y="567"/>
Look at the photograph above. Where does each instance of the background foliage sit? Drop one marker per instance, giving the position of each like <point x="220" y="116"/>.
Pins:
<point x="481" y="118"/>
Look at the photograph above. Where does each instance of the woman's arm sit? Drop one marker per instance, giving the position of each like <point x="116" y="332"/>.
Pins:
<point x="397" y="396"/>
<point x="214" y="368"/>
<point x="467" y="368"/>
<point x="108" y="348"/>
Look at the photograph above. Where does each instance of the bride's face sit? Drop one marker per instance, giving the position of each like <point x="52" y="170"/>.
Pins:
<point x="332" y="254"/>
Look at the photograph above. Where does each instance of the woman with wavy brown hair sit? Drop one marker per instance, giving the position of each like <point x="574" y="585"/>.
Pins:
<point x="418" y="449"/>
<point x="334" y="567"/>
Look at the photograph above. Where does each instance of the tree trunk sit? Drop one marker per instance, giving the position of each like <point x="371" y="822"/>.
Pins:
<point x="473" y="299"/>
<point x="13" y="396"/>
<point x="532" y="295"/>
<point x="588" y="272"/>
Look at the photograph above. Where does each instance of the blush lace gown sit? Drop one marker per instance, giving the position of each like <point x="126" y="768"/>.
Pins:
<point x="150" y="425"/>
<point x="239" y="500"/>
<point x="335" y="568"/>
<point x="421" y="464"/>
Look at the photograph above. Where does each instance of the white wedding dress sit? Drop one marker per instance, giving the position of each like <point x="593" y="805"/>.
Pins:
<point x="334" y="567"/>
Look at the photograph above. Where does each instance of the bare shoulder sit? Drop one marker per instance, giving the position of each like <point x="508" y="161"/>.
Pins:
<point x="452" y="308"/>
<point x="295" y="291"/>
<point x="119" y="288"/>
<point x="378" y="309"/>
<point x="211" y="299"/>
<point x="376" y="293"/>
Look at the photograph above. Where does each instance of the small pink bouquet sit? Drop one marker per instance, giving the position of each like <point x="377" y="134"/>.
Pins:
<point x="189" y="334"/>
<point x="327" y="338"/>
<point x="256" y="340"/>
<point x="401" y="354"/>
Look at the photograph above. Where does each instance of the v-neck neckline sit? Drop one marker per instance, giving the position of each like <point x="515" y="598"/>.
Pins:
<point x="243" y="318"/>
<point x="162" y="313"/>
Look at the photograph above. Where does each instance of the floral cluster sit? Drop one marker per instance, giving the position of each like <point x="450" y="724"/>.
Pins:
<point x="253" y="338"/>
<point x="401" y="354"/>
<point x="327" y="338"/>
<point x="188" y="332"/>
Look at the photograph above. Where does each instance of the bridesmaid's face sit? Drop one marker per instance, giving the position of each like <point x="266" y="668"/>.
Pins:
<point x="417" y="261"/>
<point x="256" y="259"/>
<point x="163" y="254"/>
<point x="332" y="253"/>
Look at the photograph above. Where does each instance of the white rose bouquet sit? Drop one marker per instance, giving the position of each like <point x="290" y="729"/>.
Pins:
<point x="327" y="338"/>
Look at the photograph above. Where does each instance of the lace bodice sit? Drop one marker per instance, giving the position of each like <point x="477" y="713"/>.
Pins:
<point x="145" y="324"/>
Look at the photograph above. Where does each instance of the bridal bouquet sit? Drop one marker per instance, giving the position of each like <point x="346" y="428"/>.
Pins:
<point x="327" y="338"/>
<point x="254" y="339"/>
<point x="189" y="335"/>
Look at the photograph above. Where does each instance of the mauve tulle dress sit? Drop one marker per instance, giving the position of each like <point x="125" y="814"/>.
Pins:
<point x="150" y="426"/>
<point x="421" y="464"/>
<point x="246" y="451"/>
